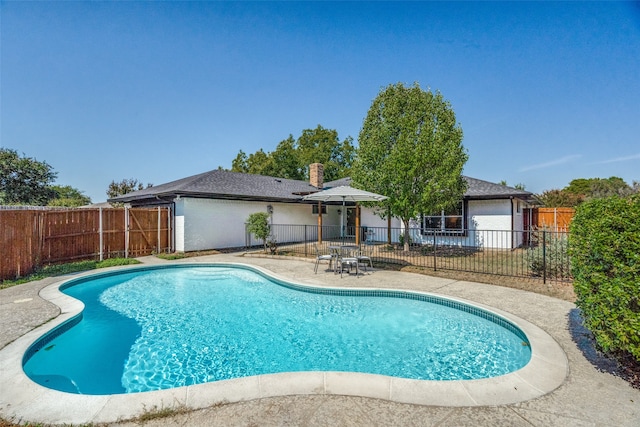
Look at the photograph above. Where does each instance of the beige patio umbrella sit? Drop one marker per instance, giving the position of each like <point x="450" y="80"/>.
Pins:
<point x="345" y="194"/>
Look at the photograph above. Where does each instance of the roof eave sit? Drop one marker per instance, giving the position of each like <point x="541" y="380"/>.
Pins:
<point x="497" y="196"/>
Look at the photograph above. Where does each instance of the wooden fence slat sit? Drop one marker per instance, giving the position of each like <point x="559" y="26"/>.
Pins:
<point x="30" y="238"/>
<point x="555" y="219"/>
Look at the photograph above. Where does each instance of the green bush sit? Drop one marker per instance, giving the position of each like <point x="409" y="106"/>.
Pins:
<point x="258" y="225"/>
<point x="604" y="246"/>
<point x="552" y="257"/>
<point x="401" y="239"/>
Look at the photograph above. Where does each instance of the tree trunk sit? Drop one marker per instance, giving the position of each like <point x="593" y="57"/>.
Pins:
<point x="406" y="234"/>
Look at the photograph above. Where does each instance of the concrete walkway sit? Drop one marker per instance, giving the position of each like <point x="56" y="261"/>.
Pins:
<point x="587" y="397"/>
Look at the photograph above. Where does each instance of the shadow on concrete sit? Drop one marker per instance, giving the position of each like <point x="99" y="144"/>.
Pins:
<point x="621" y="365"/>
<point x="586" y="342"/>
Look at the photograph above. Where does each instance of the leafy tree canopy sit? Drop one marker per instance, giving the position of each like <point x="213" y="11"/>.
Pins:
<point x="65" y="195"/>
<point x="559" y="199"/>
<point x="599" y="187"/>
<point x="518" y="186"/>
<point x="410" y="150"/>
<point x="291" y="158"/>
<point x="24" y="180"/>
<point x="125" y="186"/>
<point x="583" y="189"/>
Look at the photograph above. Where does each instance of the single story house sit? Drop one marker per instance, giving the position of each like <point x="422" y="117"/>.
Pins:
<point x="210" y="210"/>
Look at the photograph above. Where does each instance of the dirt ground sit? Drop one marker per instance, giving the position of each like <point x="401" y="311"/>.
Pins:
<point x="561" y="290"/>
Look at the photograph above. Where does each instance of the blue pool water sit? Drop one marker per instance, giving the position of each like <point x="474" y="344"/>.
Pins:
<point x="160" y="328"/>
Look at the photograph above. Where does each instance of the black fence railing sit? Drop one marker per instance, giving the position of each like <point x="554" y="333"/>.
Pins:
<point x="539" y="254"/>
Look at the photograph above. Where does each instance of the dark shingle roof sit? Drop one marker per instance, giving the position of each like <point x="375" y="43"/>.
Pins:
<point x="479" y="189"/>
<point x="225" y="185"/>
<point x="337" y="183"/>
<point x="222" y="184"/>
<point x="476" y="189"/>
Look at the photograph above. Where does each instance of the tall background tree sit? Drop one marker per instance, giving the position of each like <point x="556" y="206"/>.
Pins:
<point x="518" y="186"/>
<point x="24" y="180"/>
<point x="580" y="190"/>
<point x="27" y="181"/>
<point x="292" y="157"/>
<point x="410" y="150"/>
<point x="65" y="195"/>
<point x="125" y="186"/>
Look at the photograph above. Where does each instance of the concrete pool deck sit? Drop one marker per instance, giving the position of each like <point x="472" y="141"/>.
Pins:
<point x="579" y="395"/>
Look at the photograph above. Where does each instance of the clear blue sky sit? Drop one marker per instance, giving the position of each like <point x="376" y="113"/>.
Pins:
<point x="545" y="92"/>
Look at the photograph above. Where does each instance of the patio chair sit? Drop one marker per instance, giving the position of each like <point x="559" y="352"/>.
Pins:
<point x="346" y="259"/>
<point x="322" y="257"/>
<point x="364" y="257"/>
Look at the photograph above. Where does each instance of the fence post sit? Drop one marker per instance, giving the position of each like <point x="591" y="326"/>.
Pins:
<point x="159" y="222"/>
<point x="170" y="227"/>
<point x="41" y="234"/>
<point x="544" y="257"/>
<point x="101" y="238"/>
<point x="126" y="232"/>
<point x="434" y="251"/>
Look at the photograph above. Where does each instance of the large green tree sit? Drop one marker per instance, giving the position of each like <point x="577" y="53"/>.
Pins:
<point x="65" y="195"/>
<point x="24" y="180"/>
<point x="559" y="199"/>
<point x="322" y="145"/>
<point x="410" y="150"/>
<point x="125" y="186"/>
<point x="292" y="157"/>
<point x="597" y="188"/>
<point x="583" y="189"/>
<point x="284" y="162"/>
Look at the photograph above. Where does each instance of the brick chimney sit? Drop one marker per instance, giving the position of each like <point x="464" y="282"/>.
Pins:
<point x="316" y="175"/>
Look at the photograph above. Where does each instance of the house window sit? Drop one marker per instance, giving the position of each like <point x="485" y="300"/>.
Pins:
<point x="314" y="209"/>
<point x="451" y="220"/>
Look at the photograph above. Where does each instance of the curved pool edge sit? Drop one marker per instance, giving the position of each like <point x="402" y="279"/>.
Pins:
<point x="21" y="398"/>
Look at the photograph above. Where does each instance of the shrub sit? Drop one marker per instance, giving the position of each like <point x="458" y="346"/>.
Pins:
<point x="258" y="225"/>
<point x="552" y="257"/>
<point x="401" y="239"/>
<point x="604" y="246"/>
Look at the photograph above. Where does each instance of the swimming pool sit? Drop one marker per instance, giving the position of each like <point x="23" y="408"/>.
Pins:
<point x="188" y="325"/>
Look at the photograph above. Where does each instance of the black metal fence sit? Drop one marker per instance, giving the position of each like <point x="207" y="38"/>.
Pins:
<point x="539" y="254"/>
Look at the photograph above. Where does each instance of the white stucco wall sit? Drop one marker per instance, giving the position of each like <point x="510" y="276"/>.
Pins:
<point x="504" y="217"/>
<point x="490" y="223"/>
<point x="179" y="225"/>
<point x="518" y="221"/>
<point x="489" y="226"/>
<point x="210" y="224"/>
<point x="202" y="224"/>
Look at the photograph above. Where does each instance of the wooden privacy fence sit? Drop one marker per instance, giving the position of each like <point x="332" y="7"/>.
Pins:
<point x="32" y="237"/>
<point x="553" y="219"/>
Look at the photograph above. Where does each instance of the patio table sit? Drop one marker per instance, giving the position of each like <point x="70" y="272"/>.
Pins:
<point x="344" y="252"/>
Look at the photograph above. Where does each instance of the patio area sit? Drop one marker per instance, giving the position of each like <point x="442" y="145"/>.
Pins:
<point x="588" y="396"/>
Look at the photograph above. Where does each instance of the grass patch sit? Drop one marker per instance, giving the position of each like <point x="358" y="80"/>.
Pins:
<point x="156" y="413"/>
<point x="181" y="255"/>
<point x="72" y="267"/>
<point x="7" y="423"/>
<point x="170" y="257"/>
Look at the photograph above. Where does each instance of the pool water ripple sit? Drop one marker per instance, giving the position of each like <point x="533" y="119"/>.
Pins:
<point x="165" y="328"/>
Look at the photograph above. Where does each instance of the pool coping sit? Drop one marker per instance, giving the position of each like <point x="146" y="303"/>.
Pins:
<point x="24" y="399"/>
